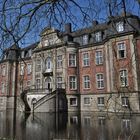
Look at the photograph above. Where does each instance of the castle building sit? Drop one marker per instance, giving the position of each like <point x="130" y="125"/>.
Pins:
<point x="96" y="68"/>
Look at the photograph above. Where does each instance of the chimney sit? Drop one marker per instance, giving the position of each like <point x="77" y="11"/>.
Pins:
<point x="68" y="28"/>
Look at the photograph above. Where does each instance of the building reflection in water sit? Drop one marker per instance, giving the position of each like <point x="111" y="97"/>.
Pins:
<point x="84" y="126"/>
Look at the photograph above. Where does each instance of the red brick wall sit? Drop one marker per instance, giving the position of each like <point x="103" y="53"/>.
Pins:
<point x="125" y="63"/>
<point x="92" y="70"/>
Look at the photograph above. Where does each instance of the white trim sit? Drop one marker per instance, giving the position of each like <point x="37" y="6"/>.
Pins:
<point x="70" y="101"/>
<point x="71" y="60"/>
<point x="126" y="78"/>
<point x="101" y="80"/>
<point x="75" y="82"/>
<point x="87" y="59"/>
<point x="84" y="82"/>
<point x="89" y="101"/>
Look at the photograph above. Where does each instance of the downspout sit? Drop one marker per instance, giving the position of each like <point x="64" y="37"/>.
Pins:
<point x="78" y="80"/>
<point x="137" y="58"/>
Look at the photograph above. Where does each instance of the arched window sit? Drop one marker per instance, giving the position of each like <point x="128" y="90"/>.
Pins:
<point x="48" y="83"/>
<point x="48" y="63"/>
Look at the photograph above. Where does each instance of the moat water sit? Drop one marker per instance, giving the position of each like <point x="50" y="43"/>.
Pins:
<point x="69" y="126"/>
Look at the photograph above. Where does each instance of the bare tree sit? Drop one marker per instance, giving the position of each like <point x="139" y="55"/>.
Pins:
<point x="19" y="18"/>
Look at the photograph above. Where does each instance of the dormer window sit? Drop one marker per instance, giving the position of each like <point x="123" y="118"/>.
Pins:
<point x="98" y="36"/>
<point x="85" y="39"/>
<point x="120" y="26"/>
<point x="22" y="54"/>
<point x="30" y="53"/>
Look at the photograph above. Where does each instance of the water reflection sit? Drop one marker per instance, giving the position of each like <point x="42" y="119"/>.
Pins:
<point x="75" y="126"/>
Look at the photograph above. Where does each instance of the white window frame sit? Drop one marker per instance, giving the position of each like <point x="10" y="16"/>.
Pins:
<point x="120" y="26"/>
<point x="101" y="101"/>
<point x="59" y="82"/>
<point x="29" y="69"/>
<point x="121" y="46"/>
<point x="87" y="102"/>
<point x="98" y="36"/>
<point x="123" y="77"/>
<point x="72" y="60"/>
<point x="99" y="57"/>
<point x="100" y="80"/>
<point x="86" y="59"/>
<point x="86" y="82"/>
<point x="85" y="39"/>
<point x="72" y="82"/>
<point x="49" y="40"/>
<point x="59" y="61"/>
<point x="125" y="101"/>
<point x="75" y="102"/>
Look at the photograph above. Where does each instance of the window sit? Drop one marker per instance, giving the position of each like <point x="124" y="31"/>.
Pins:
<point x="87" y="121"/>
<point x="73" y="101"/>
<point x="74" y="120"/>
<point x="22" y="70"/>
<point x="120" y="26"/>
<point x="99" y="57"/>
<point x="48" y="63"/>
<point x="121" y="50"/>
<point x="98" y="36"/>
<point x="100" y="101"/>
<point x="59" y="82"/>
<point x="50" y="40"/>
<point x="2" y="88"/>
<point x="125" y="101"/>
<point x="126" y="124"/>
<point x="123" y="78"/>
<point x="85" y="39"/>
<point x="3" y="70"/>
<point x="86" y="82"/>
<point x="100" y="81"/>
<point x="85" y="59"/>
<point x="38" y="65"/>
<point x="72" y="60"/>
<point x="59" y="61"/>
<point x="37" y="83"/>
<point x="101" y="121"/>
<point x="29" y="69"/>
<point x="73" y="82"/>
<point x="86" y="101"/>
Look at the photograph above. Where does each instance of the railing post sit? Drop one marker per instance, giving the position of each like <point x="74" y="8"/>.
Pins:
<point x="33" y="111"/>
<point x="33" y="102"/>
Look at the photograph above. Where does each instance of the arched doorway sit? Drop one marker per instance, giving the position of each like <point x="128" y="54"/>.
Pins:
<point x="48" y="83"/>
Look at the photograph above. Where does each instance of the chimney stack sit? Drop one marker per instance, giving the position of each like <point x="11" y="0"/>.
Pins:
<point x="68" y="28"/>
